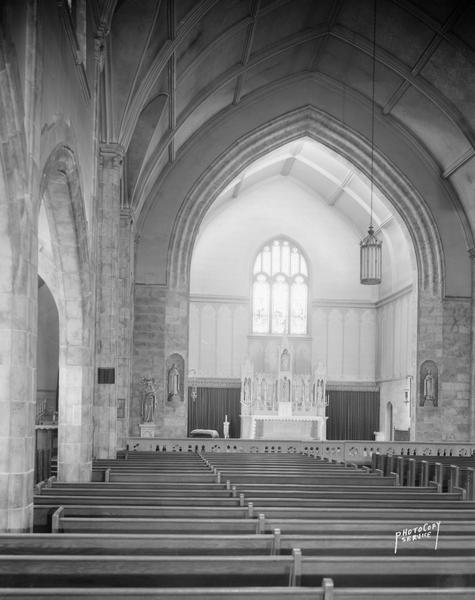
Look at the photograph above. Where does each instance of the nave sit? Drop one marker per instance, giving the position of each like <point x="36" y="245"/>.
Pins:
<point x="249" y="526"/>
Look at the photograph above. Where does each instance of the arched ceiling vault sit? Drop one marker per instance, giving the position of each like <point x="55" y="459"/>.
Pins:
<point x="180" y="69"/>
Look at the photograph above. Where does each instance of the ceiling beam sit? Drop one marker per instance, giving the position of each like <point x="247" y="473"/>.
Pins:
<point x="333" y="198"/>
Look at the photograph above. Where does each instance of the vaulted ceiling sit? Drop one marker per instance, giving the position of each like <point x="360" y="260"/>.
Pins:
<point x="180" y="69"/>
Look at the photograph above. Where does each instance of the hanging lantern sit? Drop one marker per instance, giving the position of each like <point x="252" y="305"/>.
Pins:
<point x="370" y="259"/>
<point x="370" y="246"/>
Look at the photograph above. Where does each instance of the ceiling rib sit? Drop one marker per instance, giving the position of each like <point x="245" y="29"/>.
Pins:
<point x="457" y="164"/>
<point x="249" y="39"/>
<point x="321" y="43"/>
<point x="136" y="101"/>
<point x="172" y="80"/>
<point x="423" y="86"/>
<point x="424" y="58"/>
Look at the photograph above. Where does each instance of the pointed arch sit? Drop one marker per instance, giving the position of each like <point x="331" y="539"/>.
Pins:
<point x="67" y="271"/>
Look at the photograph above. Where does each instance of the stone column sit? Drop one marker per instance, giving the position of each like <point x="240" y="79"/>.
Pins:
<point x="18" y="308"/>
<point x="18" y="295"/>
<point x="107" y="300"/>
<point x="125" y="324"/>
<point x="472" y="362"/>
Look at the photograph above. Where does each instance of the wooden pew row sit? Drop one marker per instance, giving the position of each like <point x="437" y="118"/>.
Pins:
<point x="435" y="502"/>
<point x="295" y="570"/>
<point x="126" y="489"/>
<point x="226" y="488"/>
<point x="145" y="571"/>
<point x="198" y="544"/>
<point x="350" y="492"/>
<point x="251" y="593"/>
<point x="285" y="512"/>
<point x="202" y="593"/>
<point x="447" y="472"/>
<point x="150" y="477"/>
<point x="328" y="489"/>
<point x="264" y="524"/>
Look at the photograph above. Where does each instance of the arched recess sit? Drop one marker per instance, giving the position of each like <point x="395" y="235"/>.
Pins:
<point x="64" y="265"/>
<point x="322" y="127"/>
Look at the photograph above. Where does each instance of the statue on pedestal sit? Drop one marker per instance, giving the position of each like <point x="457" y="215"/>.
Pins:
<point x="226" y="427"/>
<point x="149" y="399"/>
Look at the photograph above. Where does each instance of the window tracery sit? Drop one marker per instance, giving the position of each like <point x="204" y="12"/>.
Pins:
<point x="280" y="289"/>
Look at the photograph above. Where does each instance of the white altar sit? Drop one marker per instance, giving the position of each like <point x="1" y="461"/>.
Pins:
<point x="283" y="405"/>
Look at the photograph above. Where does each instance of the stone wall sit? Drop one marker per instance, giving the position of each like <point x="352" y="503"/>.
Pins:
<point x="454" y="384"/>
<point x="445" y="338"/>
<point x="160" y="330"/>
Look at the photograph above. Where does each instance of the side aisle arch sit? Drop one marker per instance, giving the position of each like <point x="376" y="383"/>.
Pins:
<point x="67" y="271"/>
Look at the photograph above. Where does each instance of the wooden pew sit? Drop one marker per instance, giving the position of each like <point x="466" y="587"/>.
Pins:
<point x="147" y="571"/>
<point x="263" y="524"/>
<point x="251" y="593"/>
<point x="195" y="544"/>
<point x="202" y="593"/>
<point x="293" y="502"/>
<point x="403" y="593"/>
<point x="399" y="570"/>
<point x="415" y="514"/>
<point x="357" y="526"/>
<point x="109" y="525"/>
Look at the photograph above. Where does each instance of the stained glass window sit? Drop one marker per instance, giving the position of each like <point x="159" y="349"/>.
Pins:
<point x="280" y="289"/>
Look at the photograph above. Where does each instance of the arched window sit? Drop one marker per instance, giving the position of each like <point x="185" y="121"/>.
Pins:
<point x="280" y="289"/>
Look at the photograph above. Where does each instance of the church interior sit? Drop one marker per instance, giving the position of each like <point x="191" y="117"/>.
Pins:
<point x="238" y="257"/>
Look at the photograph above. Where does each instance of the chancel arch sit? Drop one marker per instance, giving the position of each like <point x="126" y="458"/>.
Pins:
<point x="309" y="194"/>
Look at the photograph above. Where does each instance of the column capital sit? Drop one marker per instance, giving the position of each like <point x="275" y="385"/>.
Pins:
<point x="111" y="154"/>
<point x="127" y="214"/>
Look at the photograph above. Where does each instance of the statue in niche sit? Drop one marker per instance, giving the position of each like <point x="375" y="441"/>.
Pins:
<point x="429" y="383"/>
<point x="173" y="382"/>
<point x="429" y="386"/>
<point x="149" y="399"/>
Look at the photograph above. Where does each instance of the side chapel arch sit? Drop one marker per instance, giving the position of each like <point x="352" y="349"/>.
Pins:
<point x="67" y="273"/>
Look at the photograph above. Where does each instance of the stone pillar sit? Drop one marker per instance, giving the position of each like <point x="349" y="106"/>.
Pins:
<point x="18" y="295"/>
<point x="107" y="300"/>
<point x="18" y="303"/>
<point x="472" y="362"/>
<point x="126" y="321"/>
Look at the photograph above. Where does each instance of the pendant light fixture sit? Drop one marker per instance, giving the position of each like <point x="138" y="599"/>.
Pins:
<point x="370" y="246"/>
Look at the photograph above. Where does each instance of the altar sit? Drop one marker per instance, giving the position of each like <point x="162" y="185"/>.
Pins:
<point x="266" y="427"/>
<point x="283" y="405"/>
